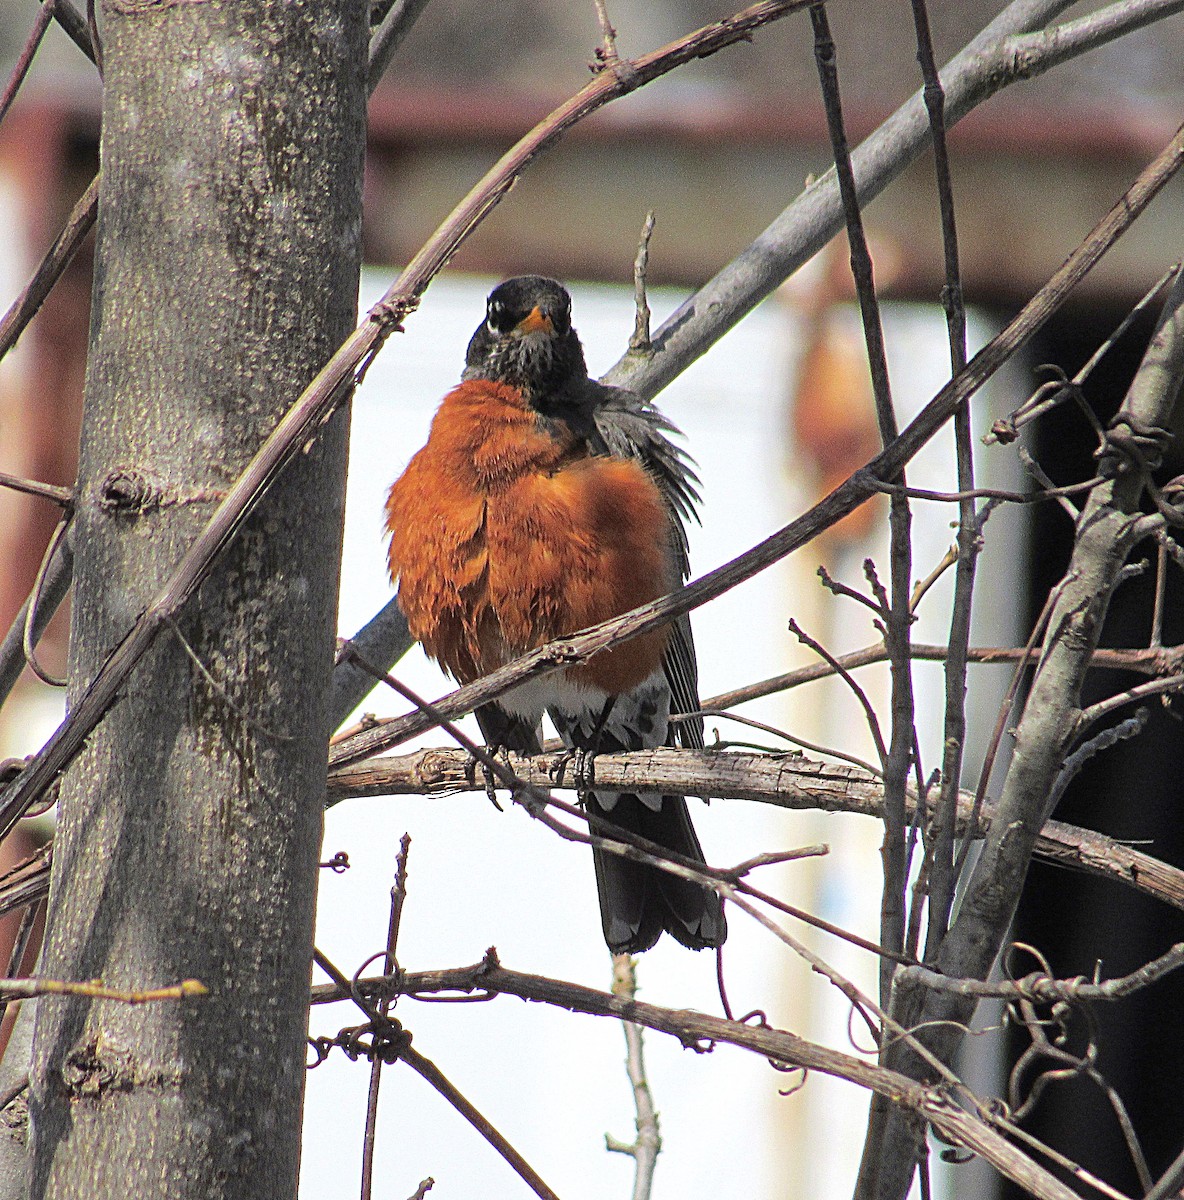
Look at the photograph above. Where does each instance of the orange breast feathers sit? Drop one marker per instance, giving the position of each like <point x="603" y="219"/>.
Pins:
<point x="504" y="537"/>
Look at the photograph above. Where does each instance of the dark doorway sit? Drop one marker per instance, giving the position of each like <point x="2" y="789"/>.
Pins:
<point x="1131" y="791"/>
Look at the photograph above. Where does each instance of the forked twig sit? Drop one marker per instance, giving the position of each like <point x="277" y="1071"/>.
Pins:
<point x="647" y="1144"/>
<point x="390" y="965"/>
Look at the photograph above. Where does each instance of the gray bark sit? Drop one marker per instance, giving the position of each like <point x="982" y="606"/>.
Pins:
<point x="226" y="273"/>
<point x="14" y="1120"/>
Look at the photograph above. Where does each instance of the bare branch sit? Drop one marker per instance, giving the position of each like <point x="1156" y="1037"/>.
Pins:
<point x="75" y="26"/>
<point x="49" y="270"/>
<point x="23" y="989"/>
<point x="869" y="712"/>
<point x="1154" y="687"/>
<point x="701" y="1032"/>
<point x="1041" y="988"/>
<point x="647" y="1144"/>
<point x="1053" y="393"/>
<point x="428" y="1070"/>
<point x="640" y="342"/>
<point x="1106" y="530"/>
<point x="29" y="630"/>
<point x="1038" y="51"/>
<point x="25" y="58"/>
<point x="788" y="781"/>
<point x="387" y="35"/>
<point x="606" y="53"/>
<point x="64" y="497"/>
<point x="897" y="755"/>
<point x="35" y="614"/>
<point x="390" y="965"/>
<point x="1155" y="660"/>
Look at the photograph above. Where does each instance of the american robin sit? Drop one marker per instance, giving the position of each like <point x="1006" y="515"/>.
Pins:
<point x="545" y="502"/>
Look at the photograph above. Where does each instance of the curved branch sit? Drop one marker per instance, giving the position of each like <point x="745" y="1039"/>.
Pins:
<point x="700" y="1032"/>
<point x="991" y="62"/>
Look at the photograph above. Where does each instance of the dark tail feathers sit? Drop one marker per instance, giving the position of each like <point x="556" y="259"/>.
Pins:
<point x="638" y="902"/>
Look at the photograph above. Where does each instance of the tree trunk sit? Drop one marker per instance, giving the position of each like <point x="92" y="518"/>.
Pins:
<point x="226" y="272"/>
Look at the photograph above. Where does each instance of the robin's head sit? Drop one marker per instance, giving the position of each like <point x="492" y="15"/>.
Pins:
<point x="526" y="338"/>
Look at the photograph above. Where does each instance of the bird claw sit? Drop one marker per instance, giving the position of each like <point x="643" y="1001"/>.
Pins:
<point x="583" y="772"/>
<point x="487" y="774"/>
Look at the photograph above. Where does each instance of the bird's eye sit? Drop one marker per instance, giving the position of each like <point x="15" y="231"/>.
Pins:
<point x="496" y="314"/>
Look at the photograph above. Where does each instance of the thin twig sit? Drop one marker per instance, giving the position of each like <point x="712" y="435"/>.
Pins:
<point x="6" y="1098"/>
<point x="792" y="738"/>
<point x="873" y="722"/>
<point x="62" y="496"/>
<point x="398" y="895"/>
<point x="1155" y="641"/>
<point x="899" y="753"/>
<point x="947" y="560"/>
<point x="96" y="42"/>
<point x="49" y="270"/>
<point x="1170" y="1182"/>
<point x="401" y="1049"/>
<point x="1005" y="708"/>
<point x="53" y="589"/>
<point x="25" y="58"/>
<point x="647" y="1142"/>
<point x="1049" y="395"/>
<point x="73" y="23"/>
<point x="1041" y="988"/>
<point x="1110" y="736"/>
<point x="19" y="945"/>
<point x="24" y="989"/>
<point x="640" y="342"/>
<point x="1153" y="687"/>
<point x="837" y="588"/>
<point x="607" y="52"/>
<point x="1038" y="473"/>
<point x="1063" y="1161"/>
<point x="387" y="35"/>
<point x="940" y="854"/>
<point x="426" y="1069"/>
<point x="1149" y="661"/>
<point x="29" y="632"/>
<point x="960" y="497"/>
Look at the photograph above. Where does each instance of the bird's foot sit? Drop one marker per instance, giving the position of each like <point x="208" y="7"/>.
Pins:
<point x="583" y="774"/>
<point x="489" y="775"/>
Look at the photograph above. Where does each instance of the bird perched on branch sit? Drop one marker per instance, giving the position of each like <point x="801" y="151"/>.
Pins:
<point x="545" y="502"/>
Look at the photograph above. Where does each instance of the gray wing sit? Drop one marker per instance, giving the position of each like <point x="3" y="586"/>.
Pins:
<point x="633" y="428"/>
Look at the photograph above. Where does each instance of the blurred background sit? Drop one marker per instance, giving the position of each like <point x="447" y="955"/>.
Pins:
<point x="775" y="415"/>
